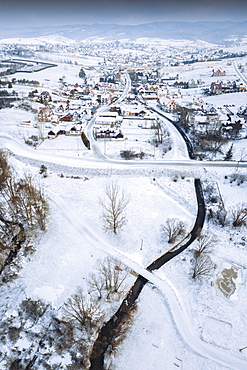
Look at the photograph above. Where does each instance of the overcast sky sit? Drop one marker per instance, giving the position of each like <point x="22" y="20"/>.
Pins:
<point x="22" y="13"/>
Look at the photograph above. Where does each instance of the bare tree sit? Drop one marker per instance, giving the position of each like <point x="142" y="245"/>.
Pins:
<point x="31" y="310"/>
<point x="173" y="229"/>
<point x="161" y="136"/>
<point x="205" y="244"/>
<point x="23" y="210"/>
<point x="203" y="266"/>
<point x="237" y="177"/>
<point x="83" y="311"/>
<point x="243" y="155"/>
<point x="229" y="153"/>
<point x="185" y="117"/>
<point x="111" y="278"/>
<point x="114" y="204"/>
<point x="26" y="202"/>
<point x="97" y="285"/>
<point x="159" y="133"/>
<point x="211" y="139"/>
<point x="84" y="316"/>
<point x="128" y="154"/>
<point x="5" y="170"/>
<point x="218" y="215"/>
<point x="239" y="215"/>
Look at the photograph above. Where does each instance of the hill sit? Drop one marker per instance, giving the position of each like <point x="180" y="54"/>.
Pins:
<point x="217" y="32"/>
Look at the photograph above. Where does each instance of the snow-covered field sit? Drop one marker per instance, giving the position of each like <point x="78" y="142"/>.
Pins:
<point x="180" y="323"/>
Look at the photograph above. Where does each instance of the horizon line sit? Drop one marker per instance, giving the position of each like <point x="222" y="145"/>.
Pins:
<point x="123" y="24"/>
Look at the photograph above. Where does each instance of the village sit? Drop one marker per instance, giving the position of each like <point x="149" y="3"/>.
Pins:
<point x="76" y="117"/>
<point x="65" y="108"/>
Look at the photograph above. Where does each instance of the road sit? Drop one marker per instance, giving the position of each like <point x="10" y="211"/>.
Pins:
<point x="102" y="109"/>
<point x="112" y="326"/>
<point x="165" y="286"/>
<point x="181" y="150"/>
<point x="242" y="77"/>
<point x="17" y="147"/>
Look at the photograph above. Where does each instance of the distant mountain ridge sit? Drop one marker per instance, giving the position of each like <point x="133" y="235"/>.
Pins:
<point x="216" y="32"/>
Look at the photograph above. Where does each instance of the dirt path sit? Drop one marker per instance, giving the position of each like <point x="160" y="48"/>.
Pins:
<point x="114" y="327"/>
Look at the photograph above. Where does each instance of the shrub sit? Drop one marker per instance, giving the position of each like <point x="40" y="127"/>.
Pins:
<point x="203" y="266"/>
<point x="127" y="154"/>
<point x="239" y="215"/>
<point x="173" y="229"/>
<point x="43" y="170"/>
<point x="205" y="245"/>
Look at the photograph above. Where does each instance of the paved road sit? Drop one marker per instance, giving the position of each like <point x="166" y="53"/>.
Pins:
<point x="218" y="355"/>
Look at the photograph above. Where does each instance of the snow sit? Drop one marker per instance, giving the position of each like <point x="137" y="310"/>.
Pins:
<point x="43" y="40"/>
<point x="179" y="323"/>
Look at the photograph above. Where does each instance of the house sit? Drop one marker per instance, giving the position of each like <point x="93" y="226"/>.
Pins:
<point x="116" y="109"/>
<point x="198" y="101"/>
<point x="108" y="119"/>
<point x="181" y="85"/>
<point x="45" y="114"/>
<point x="152" y="88"/>
<point x="218" y="73"/>
<point x="51" y="135"/>
<point x="118" y="77"/>
<point x="242" y="112"/>
<point x="216" y="88"/>
<point x="66" y="118"/>
<point x="241" y="87"/>
<point x="61" y="132"/>
<point x="60" y="109"/>
<point x="209" y="109"/>
<point x="105" y="134"/>
<point x="168" y="104"/>
<point x="86" y="113"/>
<point x="193" y="84"/>
<point x="119" y="135"/>
<point x="131" y="97"/>
<point x="133" y="111"/>
<point x="76" y="115"/>
<point x="44" y="97"/>
<point x="74" y="130"/>
<point x="61" y="102"/>
<point x="106" y="97"/>
<point x="150" y="95"/>
<point x="62" y="106"/>
<point x="232" y="129"/>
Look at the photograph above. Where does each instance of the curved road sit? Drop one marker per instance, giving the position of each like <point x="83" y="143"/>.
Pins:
<point x="243" y="78"/>
<point x="17" y="147"/>
<point x="107" y="332"/>
<point x="176" y="308"/>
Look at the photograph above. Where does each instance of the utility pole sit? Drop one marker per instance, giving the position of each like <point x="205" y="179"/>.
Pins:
<point x="141" y="244"/>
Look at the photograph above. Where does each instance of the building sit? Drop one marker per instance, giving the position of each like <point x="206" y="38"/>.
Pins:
<point x="218" y="73"/>
<point x="45" y="114"/>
